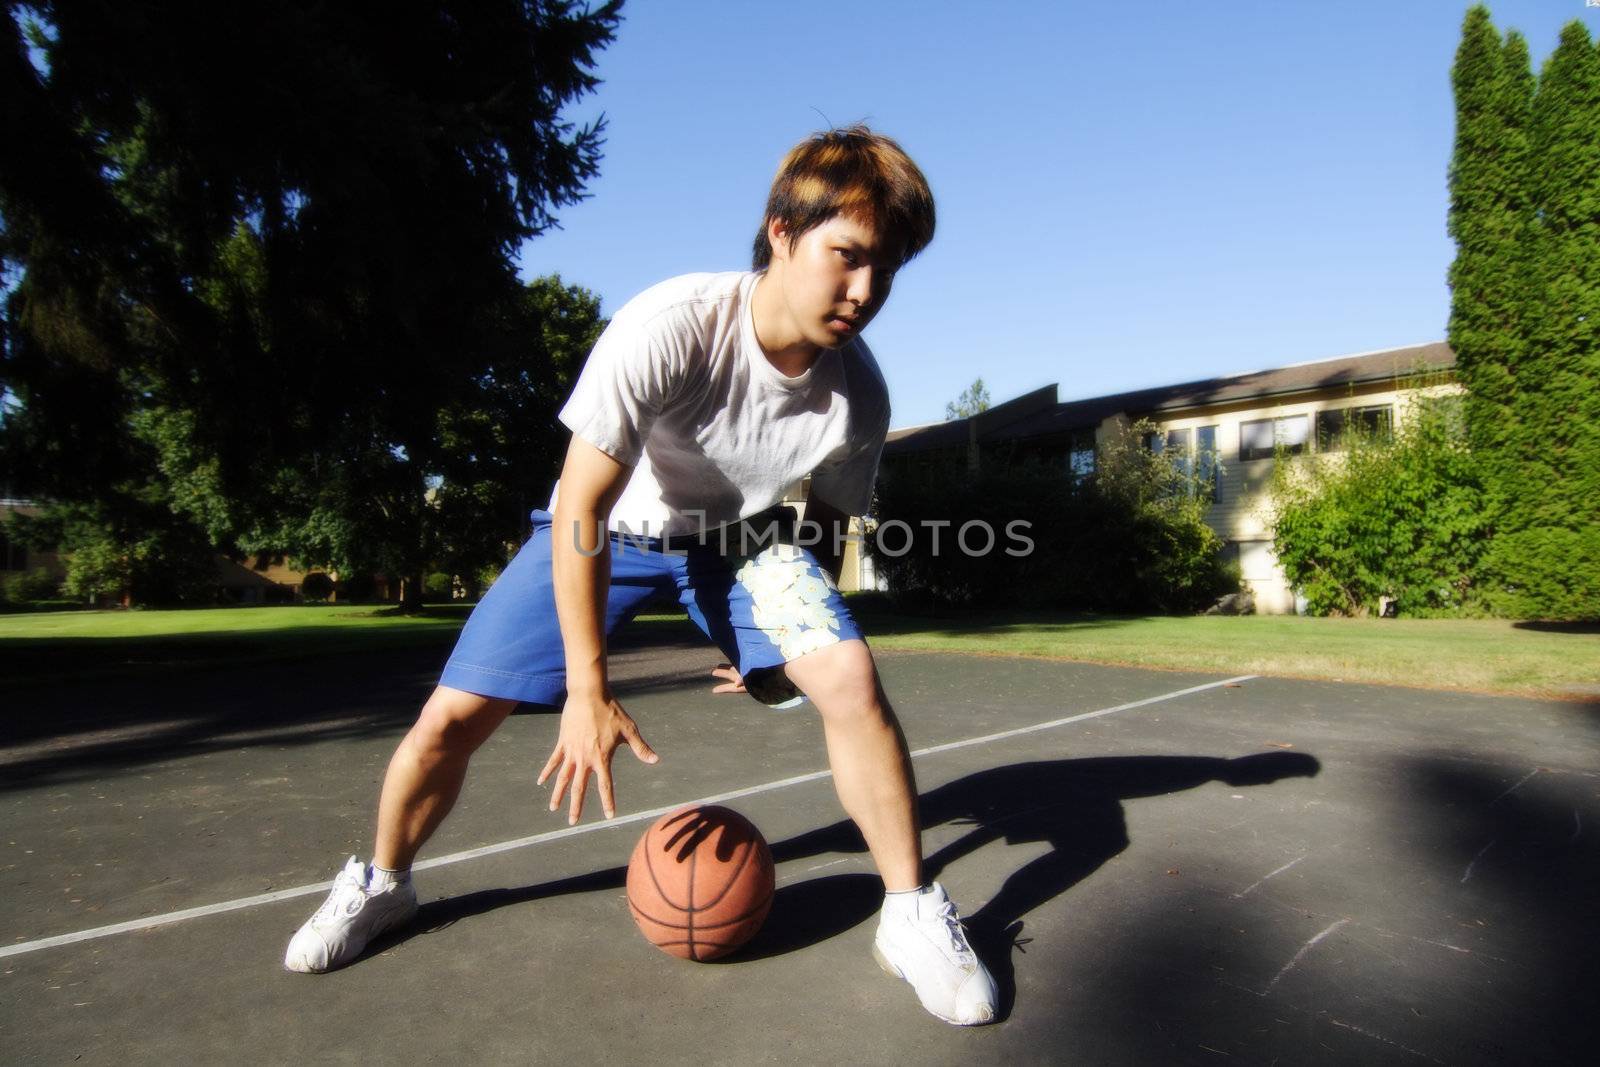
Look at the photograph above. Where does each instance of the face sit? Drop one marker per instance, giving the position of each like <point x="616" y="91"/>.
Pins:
<point x="833" y="280"/>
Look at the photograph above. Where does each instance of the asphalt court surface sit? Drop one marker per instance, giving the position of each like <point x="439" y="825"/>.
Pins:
<point x="1267" y="871"/>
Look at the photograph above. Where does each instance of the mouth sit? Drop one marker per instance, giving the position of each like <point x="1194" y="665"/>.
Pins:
<point x="843" y="323"/>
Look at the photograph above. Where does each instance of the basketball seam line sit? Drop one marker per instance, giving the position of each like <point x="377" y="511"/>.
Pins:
<point x="750" y="848"/>
<point x="694" y="857"/>
<point x="712" y="926"/>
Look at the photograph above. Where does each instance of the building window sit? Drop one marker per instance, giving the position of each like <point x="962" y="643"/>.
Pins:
<point x="1080" y="455"/>
<point x="1334" y="425"/>
<point x="1194" y="452"/>
<point x="1261" y="438"/>
<point x="1175" y="443"/>
<point x="1207" y="469"/>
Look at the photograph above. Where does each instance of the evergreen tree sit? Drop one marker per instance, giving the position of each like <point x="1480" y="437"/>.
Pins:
<point x="1489" y="219"/>
<point x="1525" y="311"/>
<point x="1545" y="559"/>
<point x="274" y="253"/>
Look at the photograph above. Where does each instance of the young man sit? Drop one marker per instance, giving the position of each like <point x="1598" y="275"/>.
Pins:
<point x="706" y="397"/>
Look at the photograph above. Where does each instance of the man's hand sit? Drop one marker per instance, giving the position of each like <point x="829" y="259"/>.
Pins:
<point x="591" y="729"/>
<point x="732" y="681"/>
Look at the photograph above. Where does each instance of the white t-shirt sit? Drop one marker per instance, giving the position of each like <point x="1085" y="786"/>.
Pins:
<point x="678" y="388"/>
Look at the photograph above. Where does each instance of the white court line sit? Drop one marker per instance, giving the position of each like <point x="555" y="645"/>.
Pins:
<point x="1514" y="787"/>
<point x="1475" y="859"/>
<point x="1298" y="956"/>
<point x="523" y="842"/>
<point x="1247" y="890"/>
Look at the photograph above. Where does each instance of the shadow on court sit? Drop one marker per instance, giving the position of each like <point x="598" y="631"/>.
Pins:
<point x="81" y="732"/>
<point x="1476" y="880"/>
<point x="1074" y="805"/>
<point x="1520" y="845"/>
<point x="1421" y="889"/>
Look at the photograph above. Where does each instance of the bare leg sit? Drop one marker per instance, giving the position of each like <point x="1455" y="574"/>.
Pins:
<point x="871" y="766"/>
<point x="426" y="771"/>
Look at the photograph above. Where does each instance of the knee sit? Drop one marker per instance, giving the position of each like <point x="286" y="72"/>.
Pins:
<point x="451" y="727"/>
<point x="844" y="686"/>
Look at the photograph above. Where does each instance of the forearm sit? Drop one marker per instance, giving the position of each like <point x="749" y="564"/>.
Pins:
<point x="581" y="571"/>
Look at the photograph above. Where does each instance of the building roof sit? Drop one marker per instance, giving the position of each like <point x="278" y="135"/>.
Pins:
<point x="1032" y="415"/>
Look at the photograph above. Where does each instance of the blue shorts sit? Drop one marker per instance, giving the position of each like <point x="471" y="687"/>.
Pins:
<point x="761" y="607"/>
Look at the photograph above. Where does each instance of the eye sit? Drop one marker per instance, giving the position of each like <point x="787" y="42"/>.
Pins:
<point x="848" y="256"/>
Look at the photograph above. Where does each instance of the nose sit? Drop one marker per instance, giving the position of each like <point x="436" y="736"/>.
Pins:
<point x="865" y="286"/>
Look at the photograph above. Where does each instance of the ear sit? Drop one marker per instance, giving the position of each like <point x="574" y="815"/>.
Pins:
<point x="778" y="238"/>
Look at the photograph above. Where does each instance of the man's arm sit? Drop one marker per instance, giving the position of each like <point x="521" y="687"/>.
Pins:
<point x="591" y="483"/>
<point x="592" y="722"/>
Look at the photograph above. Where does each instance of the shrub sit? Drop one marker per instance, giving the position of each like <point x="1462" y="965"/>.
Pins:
<point x="483" y="578"/>
<point x="1129" y="538"/>
<point x="26" y="586"/>
<point x="137" y="551"/>
<point x="316" y="587"/>
<point x="1403" y="518"/>
<point x="359" y="587"/>
<point x="438" y="587"/>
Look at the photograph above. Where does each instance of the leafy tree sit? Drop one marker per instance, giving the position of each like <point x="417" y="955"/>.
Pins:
<point x="973" y="400"/>
<point x="127" y="548"/>
<point x="274" y="254"/>
<point x="1401" y="517"/>
<point x="501" y="446"/>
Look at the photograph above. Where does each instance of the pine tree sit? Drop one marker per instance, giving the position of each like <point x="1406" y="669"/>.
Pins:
<point x="1489" y="219"/>
<point x="274" y="254"/>
<point x="1545" y="559"/>
<point x="1525" y="311"/>
<point x="1486" y="193"/>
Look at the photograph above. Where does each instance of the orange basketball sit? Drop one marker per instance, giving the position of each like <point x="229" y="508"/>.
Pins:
<point x="700" y="882"/>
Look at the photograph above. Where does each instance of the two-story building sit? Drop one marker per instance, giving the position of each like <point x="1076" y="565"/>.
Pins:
<point x="1227" y="430"/>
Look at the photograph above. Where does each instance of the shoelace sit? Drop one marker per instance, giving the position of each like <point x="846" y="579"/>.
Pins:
<point x="338" y="900"/>
<point x="954" y="927"/>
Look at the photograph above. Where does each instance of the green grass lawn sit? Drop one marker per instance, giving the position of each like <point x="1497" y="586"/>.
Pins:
<point x="184" y="623"/>
<point x="1480" y="655"/>
<point x="1491" y="656"/>
<point x="47" y="646"/>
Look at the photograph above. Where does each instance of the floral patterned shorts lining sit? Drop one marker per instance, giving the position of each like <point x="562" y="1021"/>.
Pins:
<point x="762" y="608"/>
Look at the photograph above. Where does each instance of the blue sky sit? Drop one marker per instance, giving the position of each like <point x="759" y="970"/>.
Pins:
<point x="1129" y="194"/>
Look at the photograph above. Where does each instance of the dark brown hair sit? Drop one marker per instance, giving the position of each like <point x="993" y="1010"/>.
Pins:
<point x="850" y="171"/>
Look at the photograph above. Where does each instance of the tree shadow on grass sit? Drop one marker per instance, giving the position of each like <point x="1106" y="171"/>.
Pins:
<point x="881" y="619"/>
<point x="86" y="731"/>
<point x="1590" y="627"/>
<point x="1073" y="805"/>
<point x="28" y="662"/>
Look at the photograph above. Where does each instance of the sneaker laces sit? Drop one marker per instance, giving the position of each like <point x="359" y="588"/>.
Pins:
<point x="954" y="928"/>
<point x="351" y="880"/>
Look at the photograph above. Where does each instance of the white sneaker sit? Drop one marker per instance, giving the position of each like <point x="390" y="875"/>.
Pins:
<point x="920" y="939"/>
<point x="348" y="920"/>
